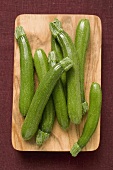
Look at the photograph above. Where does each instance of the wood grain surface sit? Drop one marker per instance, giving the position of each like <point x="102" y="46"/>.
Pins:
<point x="39" y="36"/>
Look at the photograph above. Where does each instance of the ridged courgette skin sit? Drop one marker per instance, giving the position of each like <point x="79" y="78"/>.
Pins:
<point x="48" y="117"/>
<point x="26" y="71"/>
<point x="59" y="97"/>
<point x="95" y="102"/>
<point x="74" y="103"/>
<point x="42" y="94"/>
<point x="81" y="43"/>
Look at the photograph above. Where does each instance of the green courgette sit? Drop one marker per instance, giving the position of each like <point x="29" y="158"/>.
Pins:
<point x="92" y="118"/>
<point x="47" y="121"/>
<point x="59" y="97"/>
<point x="26" y="71"/>
<point x="81" y="44"/>
<point x="55" y="46"/>
<point x="74" y="103"/>
<point x="42" y="94"/>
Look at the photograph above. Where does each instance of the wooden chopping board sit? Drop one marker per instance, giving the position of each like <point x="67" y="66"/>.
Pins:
<point x="39" y="36"/>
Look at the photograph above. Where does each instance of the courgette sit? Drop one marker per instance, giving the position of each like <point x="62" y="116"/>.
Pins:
<point x="47" y="121"/>
<point x="26" y="71"/>
<point x="74" y="103"/>
<point x="81" y="44"/>
<point x="55" y="46"/>
<point x="42" y="94"/>
<point x="95" y="102"/>
<point x="59" y="97"/>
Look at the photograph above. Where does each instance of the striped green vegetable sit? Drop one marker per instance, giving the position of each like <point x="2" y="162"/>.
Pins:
<point x="81" y="44"/>
<point x="42" y="94"/>
<point x="26" y="71"/>
<point x="47" y="121"/>
<point x="55" y="46"/>
<point x="73" y="81"/>
<point x="92" y="118"/>
<point x="59" y="97"/>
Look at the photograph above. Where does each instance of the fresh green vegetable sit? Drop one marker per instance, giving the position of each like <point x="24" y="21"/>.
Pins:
<point x="81" y="44"/>
<point x="47" y="121"/>
<point x="42" y="94"/>
<point x="92" y="119"/>
<point x="41" y="137"/>
<point x="58" y="51"/>
<point x="59" y="97"/>
<point x="73" y="83"/>
<point x="26" y="71"/>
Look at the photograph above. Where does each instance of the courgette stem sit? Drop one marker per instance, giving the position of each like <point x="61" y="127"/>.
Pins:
<point x="41" y="137"/>
<point x="19" y="32"/>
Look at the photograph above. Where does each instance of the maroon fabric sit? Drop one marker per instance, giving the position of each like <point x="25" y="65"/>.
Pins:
<point x="102" y="159"/>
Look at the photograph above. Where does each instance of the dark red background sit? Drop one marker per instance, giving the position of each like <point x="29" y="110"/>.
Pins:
<point x="102" y="159"/>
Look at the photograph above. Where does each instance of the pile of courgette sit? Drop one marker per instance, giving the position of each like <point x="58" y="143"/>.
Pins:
<point x="60" y="91"/>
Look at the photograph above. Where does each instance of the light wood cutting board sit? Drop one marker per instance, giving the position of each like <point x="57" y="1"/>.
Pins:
<point x="38" y="33"/>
